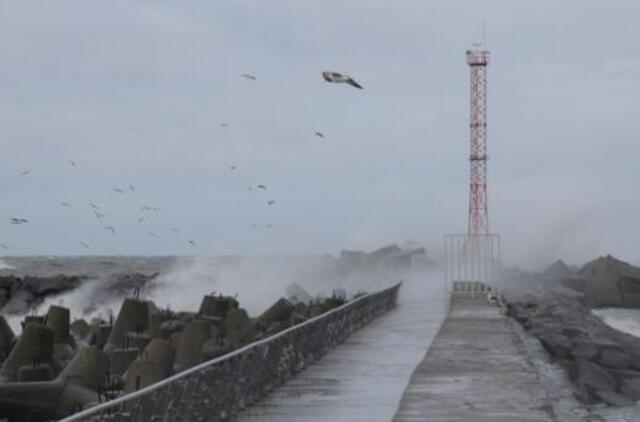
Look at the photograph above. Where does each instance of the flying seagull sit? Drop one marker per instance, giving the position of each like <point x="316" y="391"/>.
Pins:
<point x="72" y="163"/>
<point x="66" y="204"/>
<point x="131" y="188"/>
<point x="85" y="245"/>
<point x="147" y="208"/>
<point x="141" y="219"/>
<point x="25" y="172"/>
<point x="118" y="190"/>
<point x="339" y="78"/>
<point x="254" y="225"/>
<point x="99" y="215"/>
<point x="273" y="201"/>
<point x="270" y="226"/>
<point x="232" y="167"/>
<point x="152" y="234"/>
<point x="248" y="77"/>
<point x="262" y="187"/>
<point x="224" y="124"/>
<point x="112" y="229"/>
<point x="94" y="206"/>
<point x="191" y="242"/>
<point x="173" y="229"/>
<point x="14" y="220"/>
<point x="4" y="246"/>
<point x="319" y="134"/>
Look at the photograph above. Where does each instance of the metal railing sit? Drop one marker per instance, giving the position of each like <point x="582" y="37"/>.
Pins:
<point x="219" y="388"/>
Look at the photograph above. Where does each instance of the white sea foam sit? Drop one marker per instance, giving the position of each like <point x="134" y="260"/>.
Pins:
<point x="5" y="266"/>
<point x="625" y="320"/>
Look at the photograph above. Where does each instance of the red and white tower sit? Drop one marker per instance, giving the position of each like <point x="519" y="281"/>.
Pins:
<point x="478" y="206"/>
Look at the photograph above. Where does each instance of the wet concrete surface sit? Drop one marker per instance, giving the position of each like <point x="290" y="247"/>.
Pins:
<point x="364" y="378"/>
<point x="476" y="370"/>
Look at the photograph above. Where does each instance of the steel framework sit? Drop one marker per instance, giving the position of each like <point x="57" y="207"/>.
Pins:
<point x="478" y="204"/>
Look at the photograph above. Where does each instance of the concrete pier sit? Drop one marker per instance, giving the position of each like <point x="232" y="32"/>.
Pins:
<point x="475" y="371"/>
<point x="363" y="379"/>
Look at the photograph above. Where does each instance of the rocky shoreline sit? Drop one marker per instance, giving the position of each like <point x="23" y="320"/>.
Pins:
<point x="602" y="363"/>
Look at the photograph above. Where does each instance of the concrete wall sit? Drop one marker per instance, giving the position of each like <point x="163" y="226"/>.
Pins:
<point x="219" y="389"/>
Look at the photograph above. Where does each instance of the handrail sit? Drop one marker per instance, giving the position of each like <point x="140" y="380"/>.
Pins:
<point x="122" y="399"/>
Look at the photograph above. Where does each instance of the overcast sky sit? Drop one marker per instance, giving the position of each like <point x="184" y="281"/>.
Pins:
<point x="135" y="92"/>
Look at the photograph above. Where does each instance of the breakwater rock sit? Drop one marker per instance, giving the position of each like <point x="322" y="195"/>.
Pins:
<point x="56" y="367"/>
<point x="603" y="363"/>
<point x="218" y="389"/>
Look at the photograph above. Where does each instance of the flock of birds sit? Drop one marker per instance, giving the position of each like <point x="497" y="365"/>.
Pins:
<point x="332" y="77"/>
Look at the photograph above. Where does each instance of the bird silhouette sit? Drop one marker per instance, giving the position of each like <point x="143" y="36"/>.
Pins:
<point x="131" y="188"/>
<point x="271" y="202"/>
<point x="72" y="163"/>
<point x="25" y="172"/>
<point x="16" y="220"/>
<point x="152" y="234"/>
<point x="319" y="134"/>
<point x="232" y="167"/>
<point x="191" y="242"/>
<point x="66" y="204"/>
<point x="112" y="229"/>
<point x="141" y="219"/>
<point x="99" y="215"/>
<point x="173" y="229"/>
<point x="118" y="190"/>
<point x="248" y="77"/>
<point x="94" y="206"/>
<point x="85" y="245"/>
<point x="262" y="187"/>
<point x="337" y="78"/>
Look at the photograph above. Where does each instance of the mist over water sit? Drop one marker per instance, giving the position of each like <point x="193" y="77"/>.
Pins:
<point x="258" y="281"/>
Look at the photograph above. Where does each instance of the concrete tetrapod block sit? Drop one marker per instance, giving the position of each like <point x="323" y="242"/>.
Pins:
<point x="239" y="329"/>
<point x="141" y="373"/>
<point x="35" y="345"/>
<point x="137" y="340"/>
<point x="161" y="352"/>
<point x="58" y="321"/>
<point x="6" y="339"/>
<point x="31" y="373"/>
<point x="217" y="306"/>
<point x="278" y="312"/>
<point x="88" y="368"/>
<point x="189" y="352"/>
<point x="133" y="317"/>
<point x="103" y="331"/>
<point x="122" y="358"/>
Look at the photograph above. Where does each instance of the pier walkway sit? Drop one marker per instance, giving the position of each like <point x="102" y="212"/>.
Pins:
<point x="475" y="371"/>
<point x="364" y="378"/>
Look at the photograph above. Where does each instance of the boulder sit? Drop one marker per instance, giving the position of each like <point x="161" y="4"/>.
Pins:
<point x="584" y="350"/>
<point x="616" y="359"/>
<point x="591" y="376"/>
<point x="631" y="388"/>
<point x="556" y="344"/>
<point x="612" y="398"/>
